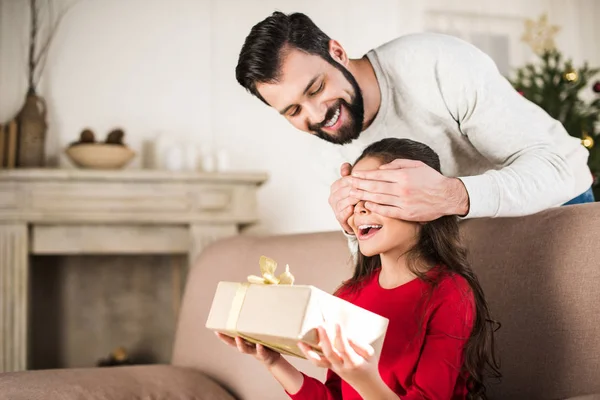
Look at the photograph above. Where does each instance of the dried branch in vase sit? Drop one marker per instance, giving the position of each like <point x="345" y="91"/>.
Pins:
<point x="31" y="119"/>
<point x="44" y="23"/>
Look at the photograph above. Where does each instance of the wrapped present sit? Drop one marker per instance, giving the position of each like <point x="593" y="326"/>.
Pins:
<point x="272" y="311"/>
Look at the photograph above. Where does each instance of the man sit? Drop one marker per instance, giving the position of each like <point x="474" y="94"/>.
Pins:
<point x="502" y="155"/>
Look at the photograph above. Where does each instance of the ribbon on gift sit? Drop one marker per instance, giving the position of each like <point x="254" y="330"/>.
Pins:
<point x="267" y="270"/>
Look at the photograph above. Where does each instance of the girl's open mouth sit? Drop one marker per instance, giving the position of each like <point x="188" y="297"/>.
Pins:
<point x="368" y="231"/>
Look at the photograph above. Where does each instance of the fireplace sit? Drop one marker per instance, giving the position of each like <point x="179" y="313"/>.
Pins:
<point x="92" y="260"/>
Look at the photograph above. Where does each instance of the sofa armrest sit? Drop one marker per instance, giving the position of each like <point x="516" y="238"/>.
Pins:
<point x="112" y="383"/>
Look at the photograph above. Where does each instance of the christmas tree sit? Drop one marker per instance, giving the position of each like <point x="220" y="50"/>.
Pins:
<point x="556" y="86"/>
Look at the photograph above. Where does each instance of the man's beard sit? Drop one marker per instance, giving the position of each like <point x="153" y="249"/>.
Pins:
<point x="356" y="114"/>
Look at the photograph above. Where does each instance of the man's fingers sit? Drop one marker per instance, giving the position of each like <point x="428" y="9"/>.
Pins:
<point x="339" y="192"/>
<point x="343" y="217"/>
<point x="383" y="175"/>
<point x="402" y="163"/>
<point x="348" y="211"/>
<point x="340" y="183"/>
<point x="377" y="186"/>
<point x="345" y="169"/>
<point x="390" y="211"/>
<point x="376" y="175"/>
<point x="345" y="203"/>
<point x="384" y="199"/>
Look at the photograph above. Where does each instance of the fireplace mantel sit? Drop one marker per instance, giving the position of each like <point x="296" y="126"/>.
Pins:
<point x="52" y="212"/>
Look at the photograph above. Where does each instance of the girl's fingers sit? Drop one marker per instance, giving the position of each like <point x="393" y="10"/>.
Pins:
<point x="365" y="351"/>
<point x="348" y="355"/>
<point x="226" y="339"/>
<point x="243" y="346"/>
<point x="313" y="356"/>
<point x="327" y="347"/>
<point x="263" y="352"/>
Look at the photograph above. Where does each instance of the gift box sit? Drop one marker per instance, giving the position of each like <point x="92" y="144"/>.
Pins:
<point x="274" y="312"/>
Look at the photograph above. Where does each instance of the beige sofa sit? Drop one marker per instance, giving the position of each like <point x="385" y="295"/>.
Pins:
<point x="541" y="275"/>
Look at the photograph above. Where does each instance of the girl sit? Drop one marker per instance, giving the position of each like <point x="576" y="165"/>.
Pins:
<point x="440" y="337"/>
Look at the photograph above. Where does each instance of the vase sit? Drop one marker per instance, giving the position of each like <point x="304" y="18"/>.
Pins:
<point x="32" y="132"/>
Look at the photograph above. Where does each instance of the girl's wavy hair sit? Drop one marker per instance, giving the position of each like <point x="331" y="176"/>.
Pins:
<point x="439" y="243"/>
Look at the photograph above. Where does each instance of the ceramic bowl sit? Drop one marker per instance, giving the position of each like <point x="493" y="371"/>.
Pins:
<point x="100" y="155"/>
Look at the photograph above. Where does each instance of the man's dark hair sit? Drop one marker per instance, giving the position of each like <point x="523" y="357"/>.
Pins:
<point x="262" y="52"/>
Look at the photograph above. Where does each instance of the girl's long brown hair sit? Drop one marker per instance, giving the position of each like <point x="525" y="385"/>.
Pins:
<point x="439" y="244"/>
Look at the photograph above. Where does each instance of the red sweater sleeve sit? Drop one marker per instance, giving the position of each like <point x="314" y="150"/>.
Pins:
<point x="447" y="332"/>
<point x="313" y="389"/>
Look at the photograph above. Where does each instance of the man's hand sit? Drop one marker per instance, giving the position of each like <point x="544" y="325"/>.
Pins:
<point x="340" y="200"/>
<point x="410" y="190"/>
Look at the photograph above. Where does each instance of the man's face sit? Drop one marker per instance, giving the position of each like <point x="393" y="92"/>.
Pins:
<point x="317" y="97"/>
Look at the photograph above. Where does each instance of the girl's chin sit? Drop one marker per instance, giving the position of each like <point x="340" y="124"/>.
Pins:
<point x="368" y="252"/>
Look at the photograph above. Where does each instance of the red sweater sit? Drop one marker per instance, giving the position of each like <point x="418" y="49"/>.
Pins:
<point x="422" y="353"/>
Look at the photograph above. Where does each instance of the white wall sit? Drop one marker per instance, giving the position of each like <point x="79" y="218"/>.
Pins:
<point x="157" y="66"/>
<point x="579" y="31"/>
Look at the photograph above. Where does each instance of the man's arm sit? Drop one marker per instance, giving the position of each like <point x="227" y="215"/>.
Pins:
<point x="511" y="132"/>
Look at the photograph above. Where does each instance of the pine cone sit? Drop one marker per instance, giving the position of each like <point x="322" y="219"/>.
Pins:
<point x="116" y="137"/>
<point x="87" y="136"/>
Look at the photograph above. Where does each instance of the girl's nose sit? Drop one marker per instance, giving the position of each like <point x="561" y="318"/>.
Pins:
<point x="360" y="208"/>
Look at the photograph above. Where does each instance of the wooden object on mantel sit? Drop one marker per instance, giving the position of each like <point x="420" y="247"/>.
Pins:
<point x="51" y="212"/>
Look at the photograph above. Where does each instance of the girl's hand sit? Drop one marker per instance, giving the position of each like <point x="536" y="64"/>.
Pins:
<point x="266" y="356"/>
<point x="354" y="363"/>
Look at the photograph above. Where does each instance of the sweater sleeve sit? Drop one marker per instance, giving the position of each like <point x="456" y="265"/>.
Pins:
<point x="514" y="134"/>
<point x="313" y="389"/>
<point x="447" y="332"/>
<point x="352" y="245"/>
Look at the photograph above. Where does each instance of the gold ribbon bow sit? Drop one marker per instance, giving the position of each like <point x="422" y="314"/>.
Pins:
<point x="267" y="269"/>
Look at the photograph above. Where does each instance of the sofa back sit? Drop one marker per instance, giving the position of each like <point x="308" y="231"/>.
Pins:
<point x="541" y="275"/>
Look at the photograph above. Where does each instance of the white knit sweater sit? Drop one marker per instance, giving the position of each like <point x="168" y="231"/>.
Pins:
<point x="513" y="158"/>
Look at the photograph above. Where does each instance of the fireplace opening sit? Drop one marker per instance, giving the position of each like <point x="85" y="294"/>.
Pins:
<point x="85" y="309"/>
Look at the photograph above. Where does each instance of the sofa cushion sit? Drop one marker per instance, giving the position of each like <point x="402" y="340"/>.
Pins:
<point x="113" y="383"/>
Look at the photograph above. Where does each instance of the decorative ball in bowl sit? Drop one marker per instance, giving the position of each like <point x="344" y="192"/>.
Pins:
<point x="100" y="155"/>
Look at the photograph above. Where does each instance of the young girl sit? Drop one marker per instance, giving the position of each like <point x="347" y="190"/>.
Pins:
<point x="440" y="336"/>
